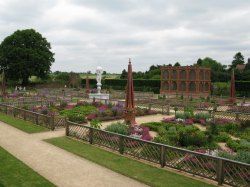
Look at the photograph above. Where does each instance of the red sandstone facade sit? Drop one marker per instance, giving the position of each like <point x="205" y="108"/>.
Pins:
<point x="186" y="80"/>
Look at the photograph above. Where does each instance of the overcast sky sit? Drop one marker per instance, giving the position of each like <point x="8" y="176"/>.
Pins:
<point x="87" y="33"/>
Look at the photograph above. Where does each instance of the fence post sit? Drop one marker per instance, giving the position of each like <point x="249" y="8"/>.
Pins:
<point x="24" y="115"/>
<point x="91" y="135"/>
<point x="67" y="128"/>
<point x="237" y="117"/>
<point x="163" y="156"/>
<point x="220" y="171"/>
<point x="37" y="119"/>
<point x="6" y="109"/>
<point x="168" y="109"/>
<point x="121" y="144"/>
<point x="149" y="106"/>
<point x="162" y="109"/>
<point x="52" y="122"/>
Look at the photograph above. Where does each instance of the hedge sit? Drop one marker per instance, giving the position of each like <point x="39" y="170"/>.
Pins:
<point x="152" y="85"/>
<point x="243" y="88"/>
<point x="146" y="85"/>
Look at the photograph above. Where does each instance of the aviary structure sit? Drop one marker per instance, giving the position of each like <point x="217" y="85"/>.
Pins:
<point x="185" y="80"/>
<point x="129" y="112"/>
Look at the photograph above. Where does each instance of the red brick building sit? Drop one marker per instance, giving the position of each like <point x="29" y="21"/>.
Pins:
<point x="186" y="80"/>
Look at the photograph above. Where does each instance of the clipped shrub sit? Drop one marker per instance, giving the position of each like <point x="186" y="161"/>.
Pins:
<point x="95" y="124"/>
<point x="120" y="128"/>
<point x="222" y="137"/>
<point x="77" y="118"/>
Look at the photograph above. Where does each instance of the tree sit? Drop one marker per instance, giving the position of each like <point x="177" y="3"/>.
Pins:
<point x="25" y="53"/>
<point x="177" y="64"/>
<point x="218" y="71"/>
<point x="238" y="59"/>
<point x="124" y="74"/>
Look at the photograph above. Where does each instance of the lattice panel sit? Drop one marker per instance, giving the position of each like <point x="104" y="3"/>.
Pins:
<point x="142" y="150"/>
<point x="44" y="121"/>
<point x="225" y="115"/>
<point x="79" y="132"/>
<point x="236" y="174"/>
<point x="106" y="139"/>
<point x="59" y="121"/>
<point x="190" y="162"/>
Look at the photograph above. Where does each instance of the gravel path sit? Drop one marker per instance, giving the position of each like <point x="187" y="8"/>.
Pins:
<point x="57" y="165"/>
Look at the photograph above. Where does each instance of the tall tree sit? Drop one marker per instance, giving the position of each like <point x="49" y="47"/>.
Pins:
<point x="124" y="74"/>
<point x="25" y="53"/>
<point x="177" y="64"/>
<point x="218" y="71"/>
<point x="238" y="59"/>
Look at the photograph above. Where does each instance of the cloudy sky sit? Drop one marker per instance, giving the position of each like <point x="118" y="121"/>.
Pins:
<point x="87" y="33"/>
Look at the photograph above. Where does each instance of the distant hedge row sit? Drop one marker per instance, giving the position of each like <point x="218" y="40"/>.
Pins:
<point x="243" y="88"/>
<point x="149" y="85"/>
<point x="146" y="85"/>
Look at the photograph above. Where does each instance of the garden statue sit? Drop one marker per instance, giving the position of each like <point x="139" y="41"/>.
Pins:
<point x="99" y="95"/>
<point x="99" y="78"/>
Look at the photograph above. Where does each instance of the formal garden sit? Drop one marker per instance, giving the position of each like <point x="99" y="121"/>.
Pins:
<point x="176" y="119"/>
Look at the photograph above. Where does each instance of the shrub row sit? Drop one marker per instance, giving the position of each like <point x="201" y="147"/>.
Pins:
<point x="152" y="85"/>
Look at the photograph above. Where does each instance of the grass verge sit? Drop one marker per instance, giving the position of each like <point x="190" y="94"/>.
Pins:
<point x="145" y="173"/>
<point x="14" y="172"/>
<point x="21" y="124"/>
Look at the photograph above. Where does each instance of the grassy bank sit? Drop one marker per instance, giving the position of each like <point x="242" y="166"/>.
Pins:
<point x="145" y="173"/>
<point x="21" y="124"/>
<point x="13" y="172"/>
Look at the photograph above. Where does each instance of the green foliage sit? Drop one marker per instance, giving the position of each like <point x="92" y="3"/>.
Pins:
<point x="218" y="71"/>
<point x="77" y="118"/>
<point x="202" y="116"/>
<point x="119" y="128"/>
<point x="192" y="136"/>
<point x="153" y="126"/>
<point x="79" y="110"/>
<point x="95" y="124"/>
<point x="238" y="59"/>
<point x="25" y="53"/>
<point x="243" y="87"/>
<point x="78" y="114"/>
<point x="222" y="137"/>
<point x="221" y="88"/>
<point x="183" y="115"/>
<point x="239" y="145"/>
<point x="241" y="156"/>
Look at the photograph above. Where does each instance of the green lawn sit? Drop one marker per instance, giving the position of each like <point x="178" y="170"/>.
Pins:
<point x="21" y="124"/>
<point x="145" y="173"/>
<point x="13" y="172"/>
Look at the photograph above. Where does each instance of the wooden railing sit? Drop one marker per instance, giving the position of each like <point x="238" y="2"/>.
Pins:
<point x="222" y="170"/>
<point x="48" y="121"/>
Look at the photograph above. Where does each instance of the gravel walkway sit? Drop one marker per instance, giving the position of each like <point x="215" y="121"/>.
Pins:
<point x="57" y="165"/>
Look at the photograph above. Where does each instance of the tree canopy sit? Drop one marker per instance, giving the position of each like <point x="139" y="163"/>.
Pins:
<point x="218" y="71"/>
<point x="238" y="59"/>
<point x="25" y="53"/>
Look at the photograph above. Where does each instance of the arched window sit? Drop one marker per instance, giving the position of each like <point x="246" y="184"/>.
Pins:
<point x="206" y="87"/>
<point x="165" y="85"/>
<point x="192" y="87"/>
<point x="174" y="74"/>
<point x="165" y="75"/>
<point x="192" y="75"/>
<point x="201" y="75"/>
<point x="174" y="86"/>
<point x="183" y="74"/>
<point x="183" y="86"/>
<point x="201" y="87"/>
